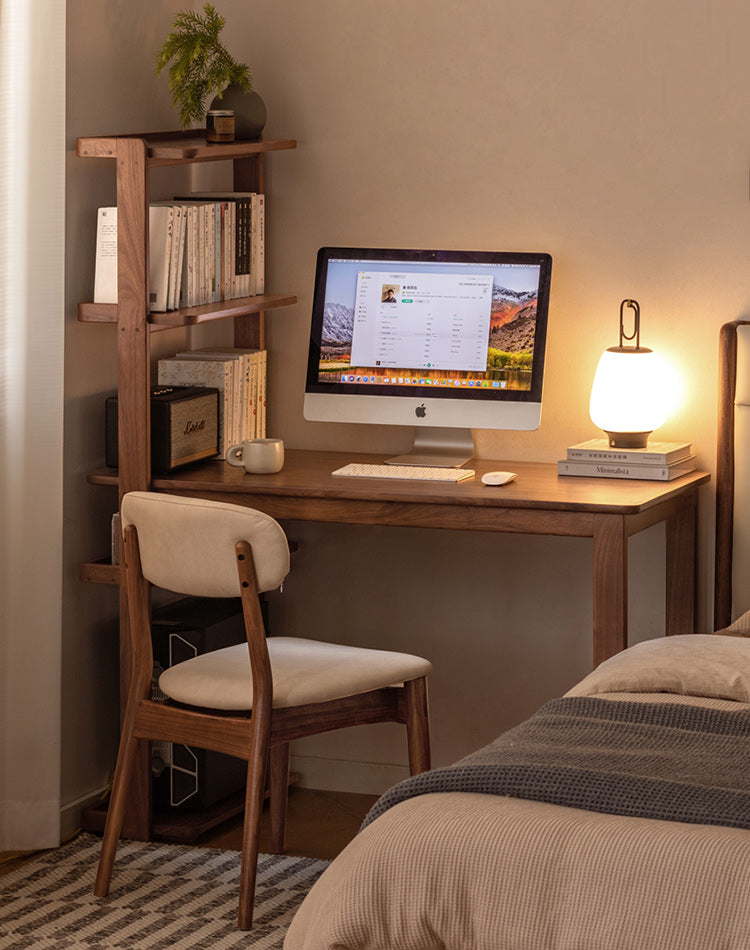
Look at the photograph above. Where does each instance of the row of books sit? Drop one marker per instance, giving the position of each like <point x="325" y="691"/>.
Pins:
<point x="240" y="377"/>
<point x="658" y="461"/>
<point x="203" y="248"/>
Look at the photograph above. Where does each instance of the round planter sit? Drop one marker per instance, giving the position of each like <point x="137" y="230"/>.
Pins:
<point x="249" y="111"/>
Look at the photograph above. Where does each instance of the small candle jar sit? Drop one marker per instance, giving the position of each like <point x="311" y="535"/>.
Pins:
<point x="220" y="125"/>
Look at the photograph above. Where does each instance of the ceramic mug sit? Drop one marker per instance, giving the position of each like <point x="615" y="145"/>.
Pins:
<point x="258" y="456"/>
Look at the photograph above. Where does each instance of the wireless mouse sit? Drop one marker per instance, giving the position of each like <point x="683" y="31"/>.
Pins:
<point x="498" y="478"/>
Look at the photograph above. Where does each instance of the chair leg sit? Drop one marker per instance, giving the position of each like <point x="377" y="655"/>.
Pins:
<point x="417" y="725"/>
<point x="255" y="793"/>
<point x="116" y="812"/>
<point x="279" y="794"/>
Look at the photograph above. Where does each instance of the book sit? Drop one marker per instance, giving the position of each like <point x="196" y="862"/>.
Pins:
<point x="105" y="269"/>
<point x="160" y="226"/>
<point x="242" y="258"/>
<point x="249" y="386"/>
<point x="163" y="237"/>
<point x="179" y="255"/>
<point x="649" y="471"/>
<point x="655" y="453"/>
<point x="258" y="244"/>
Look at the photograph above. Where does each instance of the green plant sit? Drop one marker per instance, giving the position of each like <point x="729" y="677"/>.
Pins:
<point x="201" y="64"/>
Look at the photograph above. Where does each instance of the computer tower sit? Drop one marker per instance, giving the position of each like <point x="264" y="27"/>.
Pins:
<point x="185" y="777"/>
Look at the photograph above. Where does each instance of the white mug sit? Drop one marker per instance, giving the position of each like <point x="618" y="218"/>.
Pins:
<point x="258" y="456"/>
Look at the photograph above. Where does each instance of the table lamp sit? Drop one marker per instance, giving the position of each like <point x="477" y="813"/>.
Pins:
<point x="628" y="397"/>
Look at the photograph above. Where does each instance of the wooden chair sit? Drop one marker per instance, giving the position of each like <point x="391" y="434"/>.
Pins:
<point x="248" y="700"/>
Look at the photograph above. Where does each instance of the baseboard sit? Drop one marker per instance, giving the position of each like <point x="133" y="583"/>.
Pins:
<point x="70" y="814"/>
<point x="343" y="775"/>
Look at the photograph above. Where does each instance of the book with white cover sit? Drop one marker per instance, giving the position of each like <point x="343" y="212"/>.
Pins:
<point x="176" y="289"/>
<point x="160" y="246"/>
<point x="655" y="453"/>
<point x="649" y="472"/>
<point x="159" y="251"/>
<point x="105" y="270"/>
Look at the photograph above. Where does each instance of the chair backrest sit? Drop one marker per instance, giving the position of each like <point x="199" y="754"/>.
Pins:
<point x="187" y="544"/>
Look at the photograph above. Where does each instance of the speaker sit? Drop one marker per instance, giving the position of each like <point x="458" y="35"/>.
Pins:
<point x="184" y="427"/>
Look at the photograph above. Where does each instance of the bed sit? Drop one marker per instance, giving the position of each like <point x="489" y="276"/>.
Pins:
<point x="616" y="818"/>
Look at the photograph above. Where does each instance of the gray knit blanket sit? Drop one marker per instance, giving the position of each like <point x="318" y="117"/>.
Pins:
<point x="673" y="762"/>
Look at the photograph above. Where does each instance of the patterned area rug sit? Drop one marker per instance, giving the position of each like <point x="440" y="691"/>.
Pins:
<point x="162" y="897"/>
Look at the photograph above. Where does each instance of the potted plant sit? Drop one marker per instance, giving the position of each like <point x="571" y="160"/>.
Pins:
<point x="202" y="68"/>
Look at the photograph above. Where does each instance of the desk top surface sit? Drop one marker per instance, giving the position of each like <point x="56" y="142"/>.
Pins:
<point x="307" y="475"/>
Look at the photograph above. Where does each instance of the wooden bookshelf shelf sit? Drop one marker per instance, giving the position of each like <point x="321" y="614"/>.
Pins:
<point x="179" y="148"/>
<point x="191" y="316"/>
<point x="99" y="572"/>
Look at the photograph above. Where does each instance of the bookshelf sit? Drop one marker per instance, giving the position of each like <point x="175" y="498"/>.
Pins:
<point x="134" y="156"/>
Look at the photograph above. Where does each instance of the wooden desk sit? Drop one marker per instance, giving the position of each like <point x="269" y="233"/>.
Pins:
<point x="538" y="502"/>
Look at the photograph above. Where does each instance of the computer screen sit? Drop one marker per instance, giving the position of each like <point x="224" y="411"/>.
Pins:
<point x="444" y="341"/>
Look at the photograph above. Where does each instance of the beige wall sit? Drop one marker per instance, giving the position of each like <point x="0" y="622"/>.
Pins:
<point x="612" y="136"/>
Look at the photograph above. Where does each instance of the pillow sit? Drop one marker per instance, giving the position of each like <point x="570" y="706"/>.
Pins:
<point x="740" y="627"/>
<point x="708" y="665"/>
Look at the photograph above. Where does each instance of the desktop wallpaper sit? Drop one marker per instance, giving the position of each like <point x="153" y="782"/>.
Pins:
<point x="510" y="347"/>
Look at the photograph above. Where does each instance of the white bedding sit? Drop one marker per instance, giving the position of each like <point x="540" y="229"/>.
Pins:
<point x="460" y="871"/>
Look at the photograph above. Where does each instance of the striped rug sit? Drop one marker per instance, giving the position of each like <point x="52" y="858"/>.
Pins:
<point x="162" y="897"/>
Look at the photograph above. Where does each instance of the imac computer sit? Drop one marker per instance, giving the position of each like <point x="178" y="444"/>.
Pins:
<point x="443" y="341"/>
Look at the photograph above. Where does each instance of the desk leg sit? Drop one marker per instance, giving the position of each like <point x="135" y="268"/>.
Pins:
<point x="682" y="555"/>
<point x="610" y="586"/>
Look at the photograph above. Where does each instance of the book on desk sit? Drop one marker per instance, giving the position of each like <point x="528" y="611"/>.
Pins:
<point x="658" y="461"/>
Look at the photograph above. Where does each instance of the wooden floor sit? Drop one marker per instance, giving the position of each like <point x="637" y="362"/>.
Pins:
<point x="320" y="824"/>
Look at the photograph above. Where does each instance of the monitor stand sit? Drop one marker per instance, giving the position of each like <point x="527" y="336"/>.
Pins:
<point x="441" y="448"/>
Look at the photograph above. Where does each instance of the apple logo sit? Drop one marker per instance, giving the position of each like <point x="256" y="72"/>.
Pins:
<point x="420" y="412"/>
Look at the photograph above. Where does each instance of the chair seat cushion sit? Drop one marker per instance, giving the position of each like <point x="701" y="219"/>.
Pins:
<point x="304" y="671"/>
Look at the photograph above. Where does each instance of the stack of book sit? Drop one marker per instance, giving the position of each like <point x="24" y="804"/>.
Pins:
<point x="240" y="377"/>
<point x="203" y="248"/>
<point x="658" y="461"/>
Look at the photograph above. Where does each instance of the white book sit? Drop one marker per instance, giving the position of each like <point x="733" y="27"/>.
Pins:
<point x="256" y="391"/>
<point x="227" y="239"/>
<point x="180" y="257"/>
<point x="216" y="373"/>
<point x="232" y="262"/>
<point x="218" y="225"/>
<point x="176" y="237"/>
<point x="105" y="270"/>
<point x="160" y="246"/>
<point x="240" y="410"/>
<point x="160" y="249"/>
<point x="262" y="387"/>
<point x="649" y="472"/>
<point x="202" y="227"/>
<point x="655" y="453"/>
<point x="191" y="254"/>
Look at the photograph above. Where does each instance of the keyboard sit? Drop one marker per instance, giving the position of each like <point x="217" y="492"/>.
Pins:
<point x="418" y="472"/>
